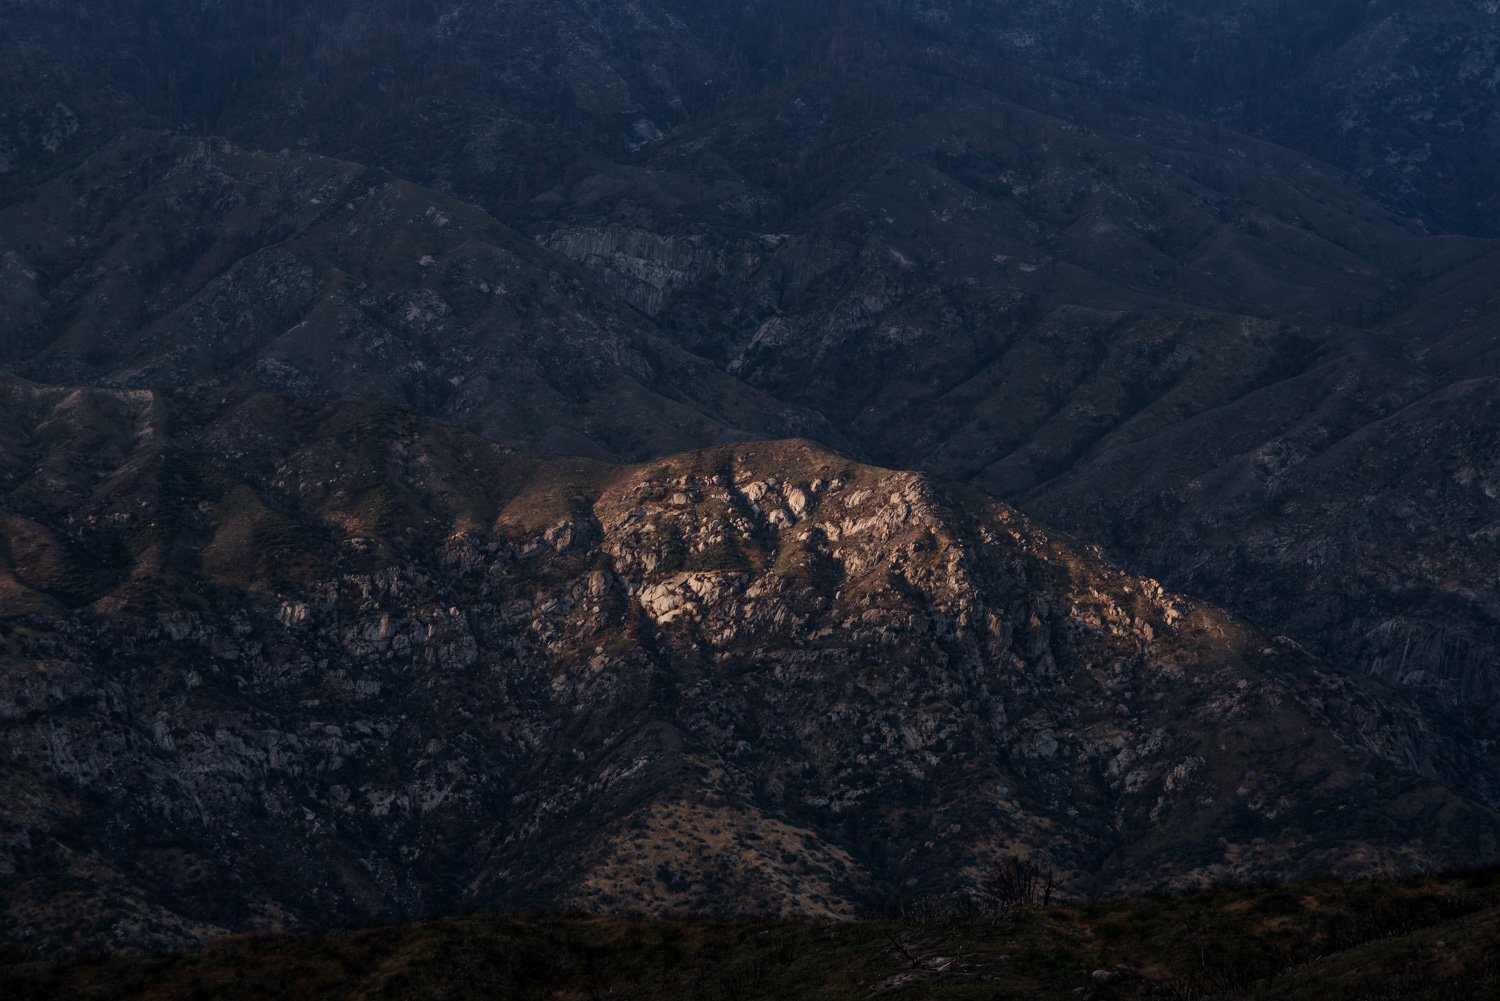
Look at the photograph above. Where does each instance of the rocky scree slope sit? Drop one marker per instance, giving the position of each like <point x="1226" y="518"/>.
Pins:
<point x="1212" y="354"/>
<point x="279" y="664"/>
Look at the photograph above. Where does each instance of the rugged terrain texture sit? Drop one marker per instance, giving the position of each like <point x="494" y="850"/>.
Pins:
<point x="163" y="261"/>
<point x="1142" y="269"/>
<point x="498" y="99"/>
<point x="1428" y="939"/>
<point x="1152" y="335"/>
<point x="273" y="664"/>
<point x="1209" y="285"/>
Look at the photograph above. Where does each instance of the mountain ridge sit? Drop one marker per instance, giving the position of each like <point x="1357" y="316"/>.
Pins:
<point x="342" y="663"/>
<point x="436" y="483"/>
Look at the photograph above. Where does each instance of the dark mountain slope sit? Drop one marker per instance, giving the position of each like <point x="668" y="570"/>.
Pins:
<point x="1137" y="329"/>
<point x="498" y="100"/>
<point x="1427" y="938"/>
<point x="1371" y="533"/>
<point x="165" y="261"/>
<point x="890" y="217"/>
<point x="1401" y="93"/>
<point x="276" y="664"/>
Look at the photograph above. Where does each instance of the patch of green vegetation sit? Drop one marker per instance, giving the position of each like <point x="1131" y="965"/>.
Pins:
<point x="804" y="566"/>
<point x="672" y="557"/>
<point x="619" y="646"/>
<point x="788" y="558"/>
<point x="719" y="555"/>
<point x="373" y="506"/>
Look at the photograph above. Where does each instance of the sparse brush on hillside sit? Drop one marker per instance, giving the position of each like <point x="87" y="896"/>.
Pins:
<point x="1432" y="939"/>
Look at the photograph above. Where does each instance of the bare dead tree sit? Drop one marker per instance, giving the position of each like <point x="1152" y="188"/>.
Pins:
<point x="1019" y="882"/>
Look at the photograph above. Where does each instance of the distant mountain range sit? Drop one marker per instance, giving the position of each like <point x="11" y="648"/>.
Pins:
<point x="446" y="452"/>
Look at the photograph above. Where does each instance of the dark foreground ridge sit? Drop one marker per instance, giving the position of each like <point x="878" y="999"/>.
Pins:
<point x="1423" y="938"/>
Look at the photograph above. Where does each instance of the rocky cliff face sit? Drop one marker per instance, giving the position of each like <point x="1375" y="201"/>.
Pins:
<point x="1134" y="334"/>
<point x="271" y="664"/>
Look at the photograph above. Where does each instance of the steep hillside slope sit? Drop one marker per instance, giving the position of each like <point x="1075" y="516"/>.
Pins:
<point x="498" y="99"/>
<point x="1189" y="346"/>
<point x="1400" y="93"/>
<point x="1181" y="279"/>
<point x="1132" y="326"/>
<point x="276" y="664"/>
<point x="163" y="261"/>
<point x="1428" y="939"/>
